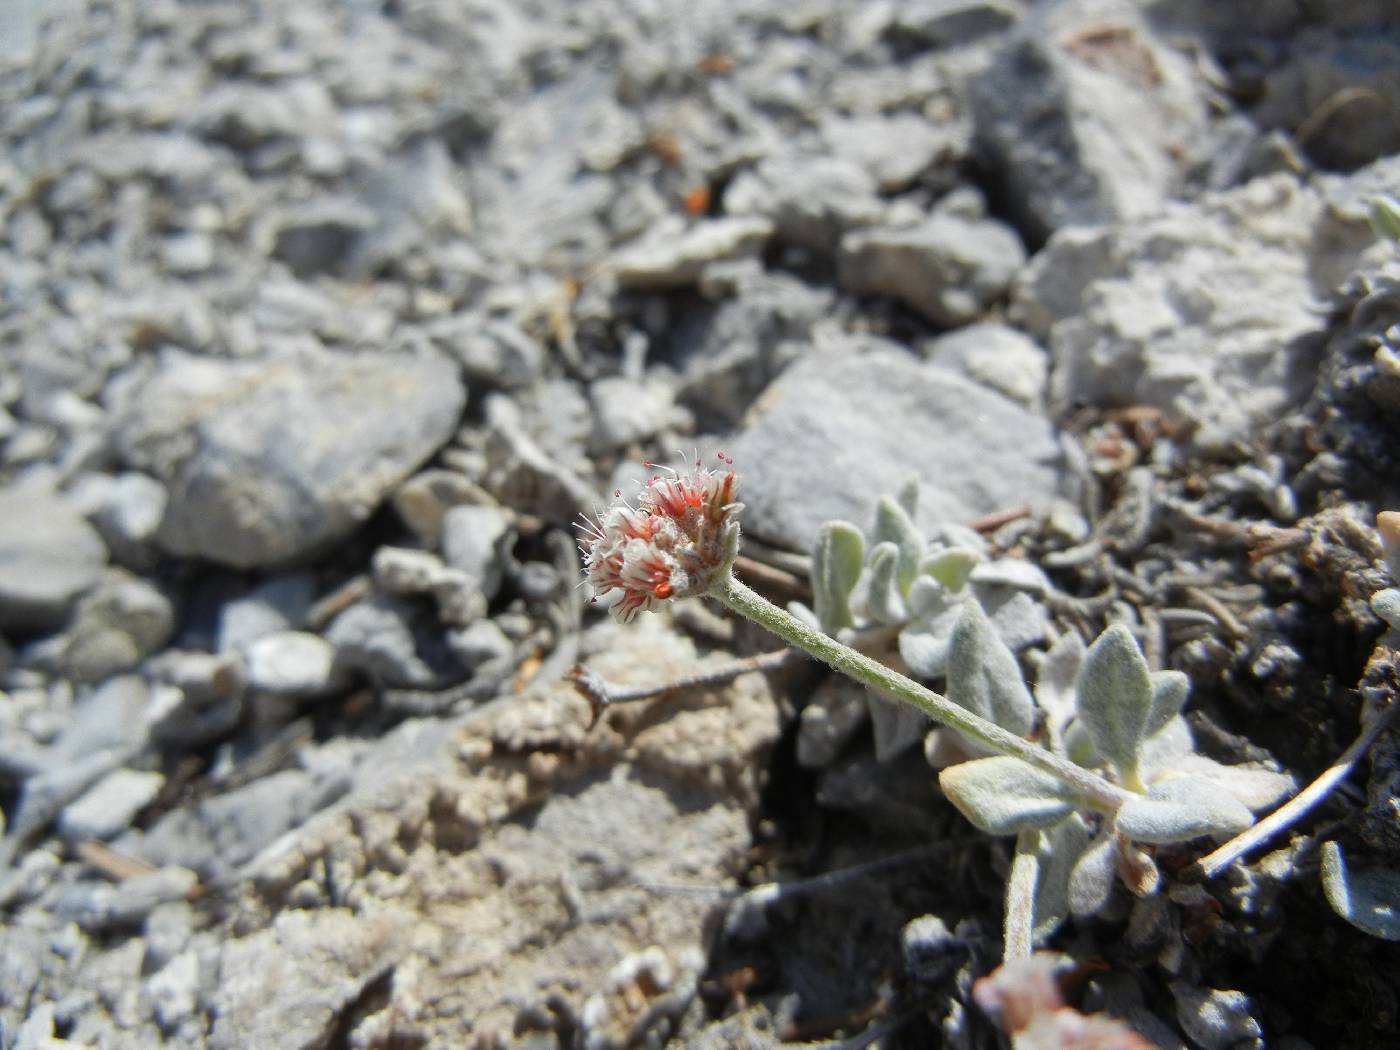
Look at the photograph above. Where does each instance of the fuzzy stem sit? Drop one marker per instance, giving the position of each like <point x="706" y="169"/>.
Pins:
<point x="743" y="600"/>
<point x="1019" y="922"/>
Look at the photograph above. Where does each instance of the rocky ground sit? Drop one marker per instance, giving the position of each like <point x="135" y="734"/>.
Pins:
<point x="323" y="321"/>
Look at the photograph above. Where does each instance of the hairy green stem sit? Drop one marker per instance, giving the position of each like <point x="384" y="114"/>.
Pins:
<point x="743" y="600"/>
<point x="1019" y="922"/>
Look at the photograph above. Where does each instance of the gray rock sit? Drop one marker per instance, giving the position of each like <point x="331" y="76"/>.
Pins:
<point x="320" y="238"/>
<point x="898" y="148"/>
<point x="258" y="458"/>
<point x="173" y="990"/>
<point x="812" y="201"/>
<point x="401" y="570"/>
<point x="947" y="268"/>
<point x="997" y="356"/>
<point x="276" y="604"/>
<point x="129" y="515"/>
<point x="952" y="23"/>
<point x="48" y="556"/>
<point x="495" y="351"/>
<point x="484" y="648"/>
<point x="524" y="475"/>
<point x="116" y="625"/>
<point x="104" y="905"/>
<point x="291" y="663"/>
<point x="105" y="810"/>
<point x="217" y="835"/>
<point x="380" y="638"/>
<point x="1205" y="311"/>
<point x="675" y="255"/>
<point x="424" y="500"/>
<point x="477" y="541"/>
<point x="728" y="353"/>
<point x="626" y="411"/>
<point x="855" y="418"/>
<point x="1216" y="1019"/>
<point x="1086" y="115"/>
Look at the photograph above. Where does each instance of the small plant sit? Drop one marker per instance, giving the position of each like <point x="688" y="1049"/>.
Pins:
<point x="1114" y="769"/>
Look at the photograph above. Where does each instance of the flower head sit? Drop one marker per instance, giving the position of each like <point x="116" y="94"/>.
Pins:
<point x="678" y="539"/>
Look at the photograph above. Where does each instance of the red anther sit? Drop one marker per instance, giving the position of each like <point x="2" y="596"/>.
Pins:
<point x="662" y="590"/>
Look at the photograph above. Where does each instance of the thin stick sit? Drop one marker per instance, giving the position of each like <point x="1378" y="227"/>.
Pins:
<point x="1288" y="814"/>
<point x="602" y="694"/>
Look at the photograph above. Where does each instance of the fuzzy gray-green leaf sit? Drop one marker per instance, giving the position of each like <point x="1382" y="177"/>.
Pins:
<point x="1091" y="881"/>
<point x="1005" y="796"/>
<point x="1060" y="848"/>
<point x="1180" y="809"/>
<point x="1369" y="900"/>
<point x="951" y="567"/>
<point x="886" y="599"/>
<point x="893" y="524"/>
<point x="983" y="675"/>
<point x="836" y="565"/>
<point x="924" y="644"/>
<point x="1169" y="692"/>
<point x="898" y="726"/>
<point x="1115" y="697"/>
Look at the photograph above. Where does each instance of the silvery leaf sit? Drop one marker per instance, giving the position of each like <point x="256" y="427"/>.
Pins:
<point x="1004" y="796"/>
<point x="1169" y="692"/>
<point x="924" y="644"/>
<point x="1060" y="849"/>
<point x="1054" y="683"/>
<point x="885" y="600"/>
<point x="1369" y="900"/>
<point x="926" y="597"/>
<point x="894" y="525"/>
<point x="1079" y="747"/>
<point x="898" y="726"/>
<point x="1115" y="697"/>
<point x="1091" y="881"/>
<point x="805" y="614"/>
<point x="836" y="565"/>
<point x="983" y="675"/>
<point x="1255" y="788"/>
<point x="1180" y="809"/>
<point x="951" y="567"/>
<point x="908" y="495"/>
<point x="1164" y="749"/>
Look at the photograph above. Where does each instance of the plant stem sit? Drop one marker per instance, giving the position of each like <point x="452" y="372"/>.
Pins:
<point x="743" y="600"/>
<point x="1019" y="921"/>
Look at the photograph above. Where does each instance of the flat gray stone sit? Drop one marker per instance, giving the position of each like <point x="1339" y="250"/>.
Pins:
<point x="48" y="556"/>
<point x="116" y="625"/>
<point x="269" y="461"/>
<point x="674" y="255"/>
<point x="997" y="356"/>
<point x="105" y="810"/>
<point x="947" y="268"/>
<point x="811" y="201"/>
<point x="852" y="421"/>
